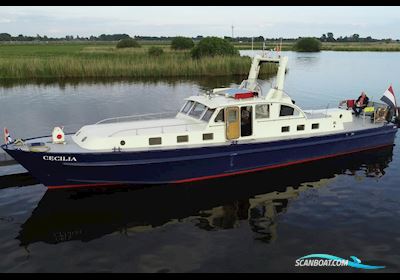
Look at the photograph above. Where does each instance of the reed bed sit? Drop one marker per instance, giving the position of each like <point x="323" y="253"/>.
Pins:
<point x="335" y="46"/>
<point x="83" y="61"/>
<point x="372" y="47"/>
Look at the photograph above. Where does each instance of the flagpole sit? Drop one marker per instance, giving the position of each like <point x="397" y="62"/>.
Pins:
<point x="395" y="101"/>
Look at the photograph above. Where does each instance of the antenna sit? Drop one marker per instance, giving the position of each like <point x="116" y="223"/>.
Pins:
<point x="252" y="45"/>
<point x="263" y="48"/>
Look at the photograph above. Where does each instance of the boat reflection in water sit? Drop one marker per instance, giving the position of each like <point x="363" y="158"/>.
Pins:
<point x="65" y="215"/>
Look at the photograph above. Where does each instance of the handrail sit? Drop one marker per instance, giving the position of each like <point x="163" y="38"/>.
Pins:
<point x="153" y="127"/>
<point x="135" y="117"/>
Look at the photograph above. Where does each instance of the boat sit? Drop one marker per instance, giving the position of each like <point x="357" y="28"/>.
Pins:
<point x="223" y="132"/>
<point x="62" y="217"/>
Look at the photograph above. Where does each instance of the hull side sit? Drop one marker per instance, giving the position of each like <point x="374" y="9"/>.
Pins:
<point x="192" y="164"/>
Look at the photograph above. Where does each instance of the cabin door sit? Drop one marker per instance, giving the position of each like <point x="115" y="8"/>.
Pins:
<point x="232" y="123"/>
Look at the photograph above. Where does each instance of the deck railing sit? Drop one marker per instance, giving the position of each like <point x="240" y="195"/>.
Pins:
<point x="162" y="128"/>
<point x="138" y="117"/>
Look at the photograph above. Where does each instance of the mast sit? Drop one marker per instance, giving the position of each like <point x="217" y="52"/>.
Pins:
<point x="277" y="91"/>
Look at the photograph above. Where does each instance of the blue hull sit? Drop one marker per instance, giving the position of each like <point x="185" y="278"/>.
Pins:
<point x="191" y="164"/>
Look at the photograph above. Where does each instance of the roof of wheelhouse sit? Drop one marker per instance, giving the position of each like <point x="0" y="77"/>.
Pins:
<point x="215" y="101"/>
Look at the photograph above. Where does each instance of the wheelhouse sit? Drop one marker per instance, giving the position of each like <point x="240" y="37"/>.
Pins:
<point x="225" y="116"/>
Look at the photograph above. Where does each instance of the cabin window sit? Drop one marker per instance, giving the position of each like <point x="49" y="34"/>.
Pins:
<point x="315" y="126"/>
<point x="208" y="114"/>
<point x="300" y="127"/>
<point x="220" y="117"/>
<point x="232" y="116"/>
<point x="182" y="138"/>
<point x="285" y="128"/>
<point x="197" y="110"/>
<point x="187" y="107"/>
<point x="208" y="136"/>
<point x="286" y="111"/>
<point x="83" y="139"/>
<point x="155" y="141"/>
<point x="246" y="121"/>
<point x="262" y="111"/>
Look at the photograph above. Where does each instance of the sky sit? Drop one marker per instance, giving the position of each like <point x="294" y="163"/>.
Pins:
<point x="248" y="21"/>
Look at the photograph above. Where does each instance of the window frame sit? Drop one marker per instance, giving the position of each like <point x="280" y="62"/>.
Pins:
<point x="204" y="114"/>
<point x="193" y="107"/>
<point x="184" y="106"/>
<point x="221" y="111"/>
<point x="269" y="111"/>
<point x="296" y="112"/>
<point x="179" y="138"/>
<point x="153" y="138"/>
<point x="301" y="125"/>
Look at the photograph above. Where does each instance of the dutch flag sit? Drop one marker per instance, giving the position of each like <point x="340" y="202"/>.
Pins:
<point x="7" y="137"/>
<point x="389" y="98"/>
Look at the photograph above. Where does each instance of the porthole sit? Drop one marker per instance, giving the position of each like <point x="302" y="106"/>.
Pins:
<point x="122" y="142"/>
<point x="340" y="116"/>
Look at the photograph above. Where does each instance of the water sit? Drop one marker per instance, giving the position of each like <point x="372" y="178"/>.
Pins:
<point x="259" y="222"/>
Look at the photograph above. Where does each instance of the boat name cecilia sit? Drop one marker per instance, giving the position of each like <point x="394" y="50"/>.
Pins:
<point x="59" y="158"/>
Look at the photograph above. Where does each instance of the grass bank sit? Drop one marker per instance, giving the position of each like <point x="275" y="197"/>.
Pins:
<point x="375" y="47"/>
<point x="105" y="61"/>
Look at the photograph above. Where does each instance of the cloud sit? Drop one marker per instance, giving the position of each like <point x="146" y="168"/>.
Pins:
<point x="192" y="21"/>
<point x="5" y="20"/>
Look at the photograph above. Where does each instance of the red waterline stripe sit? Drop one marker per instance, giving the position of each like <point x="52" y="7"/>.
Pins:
<point x="228" y="174"/>
<point x="83" y="186"/>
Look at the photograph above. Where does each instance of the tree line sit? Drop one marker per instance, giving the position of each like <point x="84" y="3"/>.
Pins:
<point x="328" y="37"/>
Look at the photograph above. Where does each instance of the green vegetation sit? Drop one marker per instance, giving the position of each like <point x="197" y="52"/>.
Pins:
<point x="105" y="61"/>
<point x="155" y="51"/>
<point x="330" y="46"/>
<point x="307" y="44"/>
<point x="371" y="47"/>
<point x="212" y="46"/>
<point x="182" y="43"/>
<point x="328" y="37"/>
<point x="128" y="43"/>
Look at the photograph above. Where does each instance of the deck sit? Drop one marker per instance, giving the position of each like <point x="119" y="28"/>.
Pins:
<point x="358" y="123"/>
